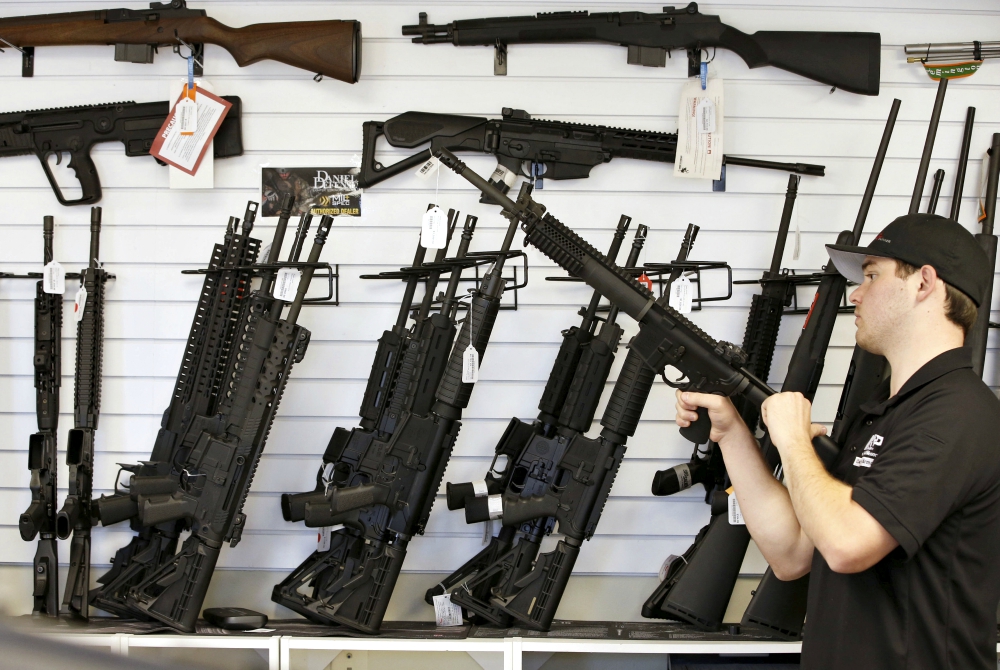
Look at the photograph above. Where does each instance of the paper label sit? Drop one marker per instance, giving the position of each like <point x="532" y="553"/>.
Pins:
<point x="502" y="174"/>
<point x="54" y="278"/>
<point x="426" y="170"/>
<point x="495" y="506"/>
<point x="705" y="114"/>
<point x="185" y="152"/>
<point x="665" y="568"/>
<point x="323" y="539"/>
<point x="735" y="516"/>
<point x="286" y="284"/>
<point x="684" y="478"/>
<point x="479" y="488"/>
<point x="985" y="172"/>
<point x="446" y="613"/>
<point x="264" y="253"/>
<point x="434" y="229"/>
<point x="187" y="115"/>
<point x="470" y="365"/>
<point x="680" y="295"/>
<point x="699" y="154"/>
<point x="80" y="304"/>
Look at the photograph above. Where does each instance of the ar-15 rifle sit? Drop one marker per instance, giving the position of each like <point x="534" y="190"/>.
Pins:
<point x="40" y="517"/>
<point x="329" y="48"/>
<point x="196" y="393"/>
<point x="75" y="130"/>
<point x="666" y="338"/>
<point x="76" y="516"/>
<point x="551" y="149"/>
<point x="394" y="482"/>
<point x="846" y="60"/>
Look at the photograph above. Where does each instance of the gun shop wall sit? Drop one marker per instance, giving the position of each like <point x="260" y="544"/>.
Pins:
<point x="151" y="233"/>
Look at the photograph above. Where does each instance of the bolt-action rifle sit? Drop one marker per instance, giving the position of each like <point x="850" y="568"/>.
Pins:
<point x="666" y="338"/>
<point x="75" y="130"/>
<point x="533" y="451"/>
<point x="40" y="517"/>
<point x="533" y="148"/>
<point x="196" y="393"/>
<point x="329" y="48"/>
<point x="76" y="516"/>
<point x="845" y="60"/>
<point x="390" y="496"/>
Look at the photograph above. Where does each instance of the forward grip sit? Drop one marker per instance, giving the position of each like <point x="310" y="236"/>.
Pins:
<point x="700" y="429"/>
<point x="628" y="398"/>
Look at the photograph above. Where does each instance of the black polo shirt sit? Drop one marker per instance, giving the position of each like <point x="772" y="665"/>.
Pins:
<point x="926" y="464"/>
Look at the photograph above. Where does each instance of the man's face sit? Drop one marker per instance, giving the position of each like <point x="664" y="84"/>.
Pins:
<point x="882" y="304"/>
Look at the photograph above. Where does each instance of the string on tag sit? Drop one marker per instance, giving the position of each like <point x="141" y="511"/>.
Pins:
<point x="190" y="86"/>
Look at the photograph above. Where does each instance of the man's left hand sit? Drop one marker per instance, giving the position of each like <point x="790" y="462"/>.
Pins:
<point x="788" y="417"/>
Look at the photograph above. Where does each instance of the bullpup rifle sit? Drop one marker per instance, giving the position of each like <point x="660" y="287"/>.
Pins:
<point x="845" y="60"/>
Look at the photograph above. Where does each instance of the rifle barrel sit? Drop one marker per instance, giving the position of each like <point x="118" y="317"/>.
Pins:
<point x="925" y="158"/>
<point x="786" y="220"/>
<point x="963" y="163"/>
<point x="866" y="199"/>
<point x="95" y="235"/>
<point x="935" y="191"/>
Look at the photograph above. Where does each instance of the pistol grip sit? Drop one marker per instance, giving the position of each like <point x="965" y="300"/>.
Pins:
<point x="86" y="175"/>
<point x="698" y="431"/>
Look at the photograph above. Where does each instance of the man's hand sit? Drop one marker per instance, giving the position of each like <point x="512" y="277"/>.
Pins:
<point x="788" y="417"/>
<point x="726" y="422"/>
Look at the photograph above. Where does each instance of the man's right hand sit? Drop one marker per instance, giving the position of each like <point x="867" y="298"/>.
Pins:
<point x="726" y="421"/>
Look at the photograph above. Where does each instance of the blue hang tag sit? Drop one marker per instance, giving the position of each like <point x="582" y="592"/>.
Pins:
<point x="704" y="75"/>
<point x="190" y="60"/>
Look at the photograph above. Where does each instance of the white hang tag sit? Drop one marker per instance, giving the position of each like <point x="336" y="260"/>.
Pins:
<point x="80" y="304"/>
<point x="446" y="613"/>
<point x="502" y="174"/>
<point x="487" y="531"/>
<point x="470" y="365"/>
<point x="798" y="238"/>
<point x="187" y="116"/>
<point x="54" y="278"/>
<point x="494" y="504"/>
<point x="479" y="488"/>
<point x="286" y="284"/>
<point x="264" y="253"/>
<point x="680" y="295"/>
<point x="434" y="229"/>
<point x="427" y="170"/>
<point x="323" y="539"/>
<point x="735" y="516"/>
<point x="985" y="172"/>
<point x="665" y="568"/>
<point x="705" y="113"/>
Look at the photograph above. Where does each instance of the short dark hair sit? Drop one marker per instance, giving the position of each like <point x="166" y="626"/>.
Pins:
<point x="958" y="307"/>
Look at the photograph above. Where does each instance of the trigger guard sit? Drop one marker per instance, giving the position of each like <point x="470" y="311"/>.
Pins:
<point x="683" y="383"/>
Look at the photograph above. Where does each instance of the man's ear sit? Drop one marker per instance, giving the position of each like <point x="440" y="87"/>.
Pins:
<point x="928" y="282"/>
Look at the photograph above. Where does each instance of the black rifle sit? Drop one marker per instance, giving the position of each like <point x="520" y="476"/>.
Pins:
<point x="75" y="130"/>
<point x="777" y="605"/>
<point x="532" y="453"/>
<point x="40" y="517"/>
<point x="389" y="498"/>
<point x="196" y="393"/>
<point x="76" y="516"/>
<point x="550" y="149"/>
<point x="665" y="338"/>
<point x="687" y="593"/>
<point x="845" y="60"/>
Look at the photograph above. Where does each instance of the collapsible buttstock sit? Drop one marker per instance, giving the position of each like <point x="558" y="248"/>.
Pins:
<point x="850" y="61"/>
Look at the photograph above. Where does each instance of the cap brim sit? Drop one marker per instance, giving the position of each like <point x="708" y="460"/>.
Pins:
<point x="849" y="261"/>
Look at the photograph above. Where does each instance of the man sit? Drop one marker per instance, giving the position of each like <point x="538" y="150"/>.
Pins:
<point x="902" y="536"/>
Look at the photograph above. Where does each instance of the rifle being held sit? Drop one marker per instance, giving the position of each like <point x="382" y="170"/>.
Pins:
<point x="845" y="60"/>
<point x="534" y="148"/>
<point x="328" y="48"/>
<point x="75" y="130"/>
<point x="76" y="516"/>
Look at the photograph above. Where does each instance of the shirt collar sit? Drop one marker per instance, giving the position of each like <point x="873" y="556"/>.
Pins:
<point x="942" y="364"/>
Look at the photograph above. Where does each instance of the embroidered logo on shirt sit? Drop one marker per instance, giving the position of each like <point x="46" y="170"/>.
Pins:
<point x="868" y="455"/>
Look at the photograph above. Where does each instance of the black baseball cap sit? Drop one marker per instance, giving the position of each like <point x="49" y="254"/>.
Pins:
<point x="924" y="239"/>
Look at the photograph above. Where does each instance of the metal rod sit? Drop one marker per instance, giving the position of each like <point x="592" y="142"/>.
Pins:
<point x="993" y="177"/>
<point x="866" y="199"/>
<point x="307" y="273"/>
<point x="935" y="191"/>
<point x="786" y="220"/>
<point x="925" y="158"/>
<point x="95" y="235"/>
<point x="963" y="163"/>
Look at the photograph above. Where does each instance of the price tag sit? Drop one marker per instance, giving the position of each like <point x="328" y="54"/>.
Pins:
<point x="470" y="365"/>
<point x="645" y="281"/>
<point x="479" y="488"/>
<point x="665" y="568"/>
<point x="494" y="504"/>
<point x="80" y="304"/>
<point x="434" y="229"/>
<point x="54" y="278"/>
<point x="705" y="115"/>
<point x="735" y="516"/>
<point x="680" y="295"/>
<point x="286" y="284"/>
<point x="264" y="253"/>
<point x="426" y="170"/>
<point x="323" y="539"/>
<point x="187" y="116"/>
<point x="446" y="613"/>
<point x="503" y="175"/>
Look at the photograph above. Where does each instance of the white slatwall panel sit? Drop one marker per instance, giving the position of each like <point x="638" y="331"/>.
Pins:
<point x="151" y="233"/>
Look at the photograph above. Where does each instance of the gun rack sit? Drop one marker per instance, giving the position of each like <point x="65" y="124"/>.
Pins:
<point x="332" y="275"/>
<point x="475" y="259"/>
<point x="38" y="275"/>
<point x="802" y="280"/>
<point x="660" y="274"/>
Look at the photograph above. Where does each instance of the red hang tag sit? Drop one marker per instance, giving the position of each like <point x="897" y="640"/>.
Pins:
<point x="645" y="281"/>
